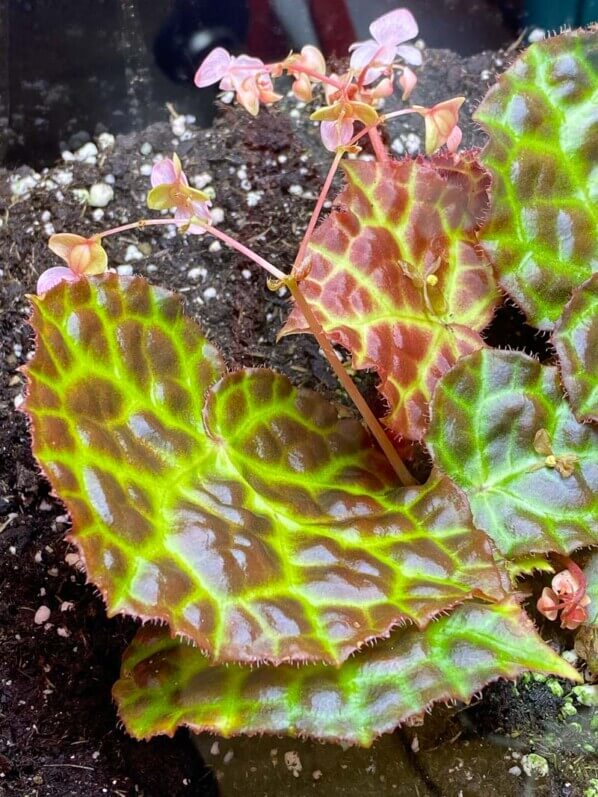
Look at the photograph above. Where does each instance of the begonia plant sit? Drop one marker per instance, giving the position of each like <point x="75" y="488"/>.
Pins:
<point x="298" y="578"/>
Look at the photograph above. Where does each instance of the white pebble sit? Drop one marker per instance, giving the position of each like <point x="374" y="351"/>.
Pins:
<point x="46" y="216"/>
<point x="21" y="186"/>
<point x="197" y="273"/>
<point x="72" y="559"/>
<point x="228" y="757"/>
<point x="105" y="141"/>
<point x="18" y="400"/>
<point x="412" y="143"/>
<point x="178" y="125"/>
<point x="145" y="169"/>
<point x="49" y="229"/>
<point x="42" y="615"/>
<point x="282" y="159"/>
<point x="133" y="253"/>
<point x="210" y="293"/>
<point x="87" y="153"/>
<point x="295" y="189"/>
<point x="254" y="198"/>
<point x="145" y="148"/>
<point x="67" y="156"/>
<point x="124" y="271"/>
<point x="63" y="177"/>
<point x="100" y="194"/>
<point x="515" y="771"/>
<point x="246" y="274"/>
<point x="217" y="215"/>
<point x="215" y="246"/>
<point x="97" y="214"/>
<point x="201" y="180"/>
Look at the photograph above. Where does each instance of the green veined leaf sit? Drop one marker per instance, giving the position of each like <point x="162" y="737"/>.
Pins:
<point x="395" y="275"/>
<point x="488" y="414"/>
<point x="591" y="574"/>
<point x="542" y="120"/>
<point x="576" y="341"/>
<point x="165" y="684"/>
<point x="235" y="507"/>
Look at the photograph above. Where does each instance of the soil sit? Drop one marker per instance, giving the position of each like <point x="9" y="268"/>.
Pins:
<point x="59" y="733"/>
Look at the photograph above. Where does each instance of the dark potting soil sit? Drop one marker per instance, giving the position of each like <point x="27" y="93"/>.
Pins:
<point x="59" y="733"/>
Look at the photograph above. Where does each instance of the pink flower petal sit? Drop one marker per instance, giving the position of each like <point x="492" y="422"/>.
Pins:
<point x="454" y="139"/>
<point x="164" y="172"/>
<point x="395" y="27"/>
<point x="184" y="214"/>
<point x="213" y="68"/>
<point x="53" y="276"/>
<point x="336" y="135"/>
<point x="407" y="81"/>
<point x="410" y="54"/>
<point x="364" y="54"/>
<point x="547" y="603"/>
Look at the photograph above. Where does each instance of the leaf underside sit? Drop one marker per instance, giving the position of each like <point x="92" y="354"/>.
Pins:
<point x="234" y="507"/>
<point x="398" y="223"/>
<point x="485" y="415"/>
<point x="165" y="684"/>
<point x="576" y="341"/>
<point x="542" y="154"/>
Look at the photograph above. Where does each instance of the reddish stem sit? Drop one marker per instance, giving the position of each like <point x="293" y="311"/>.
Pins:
<point x="318" y="209"/>
<point x="379" y="149"/>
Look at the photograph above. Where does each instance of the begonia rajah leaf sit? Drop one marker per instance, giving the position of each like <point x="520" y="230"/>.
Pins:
<point x="234" y="507"/>
<point x="396" y="276"/>
<point x="165" y="683"/>
<point x="489" y="414"/>
<point x="541" y="118"/>
<point x="576" y="341"/>
<point x="591" y="573"/>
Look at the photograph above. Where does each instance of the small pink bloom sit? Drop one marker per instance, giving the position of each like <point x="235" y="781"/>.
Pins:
<point x="170" y="189"/>
<point x="441" y="124"/>
<point x="336" y="134"/>
<point x="388" y="34"/>
<point x="247" y="77"/>
<point x="407" y="81"/>
<point x="568" y="596"/>
<point x="52" y="276"/>
<point x="310" y="58"/>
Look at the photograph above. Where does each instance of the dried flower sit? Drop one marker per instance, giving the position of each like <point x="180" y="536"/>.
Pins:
<point x="310" y="58"/>
<point x="388" y="34"/>
<point x="171" y="190"/>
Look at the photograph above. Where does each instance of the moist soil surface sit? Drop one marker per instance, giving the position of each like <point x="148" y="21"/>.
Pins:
<point x="59" y="733"/>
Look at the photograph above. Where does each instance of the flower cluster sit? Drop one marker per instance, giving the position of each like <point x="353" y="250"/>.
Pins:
<point x="567" y="596"/>
<point x="351" y="98"/>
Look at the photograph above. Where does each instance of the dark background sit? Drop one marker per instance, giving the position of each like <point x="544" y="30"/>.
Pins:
<point x="82" y="66"/>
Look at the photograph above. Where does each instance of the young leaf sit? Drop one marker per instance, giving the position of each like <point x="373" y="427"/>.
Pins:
<point x="240" y="511"/>
<point x="502" y="430"/>
<point x="576" y="341"/>
<point x="395" y="276"/>
<point x="165" y="684"/>
<point x="542" y="227"/>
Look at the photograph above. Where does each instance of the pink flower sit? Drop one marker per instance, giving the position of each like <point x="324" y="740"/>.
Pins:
<point x="171" y="190"/>
<point x="84" y="256"/>
<point x="407" y="81"/>
<point x="338" y="120"/>
<point x="388" y="34"/>
<point x="310" y="59"/>
<point x="568" y="596"/>
<point x="247" y="77"/>
<point x="441" y="124"/>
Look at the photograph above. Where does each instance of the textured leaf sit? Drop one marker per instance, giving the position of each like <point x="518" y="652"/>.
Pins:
<point x="591" y="574"/>
<point x="576" y="342"/>
<point x="543" y="125"/>
<point x="399" y="224"/>
<point x="165" y="684"/>
<point x="240" y="511"/>
<point x="486" y="414"/>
